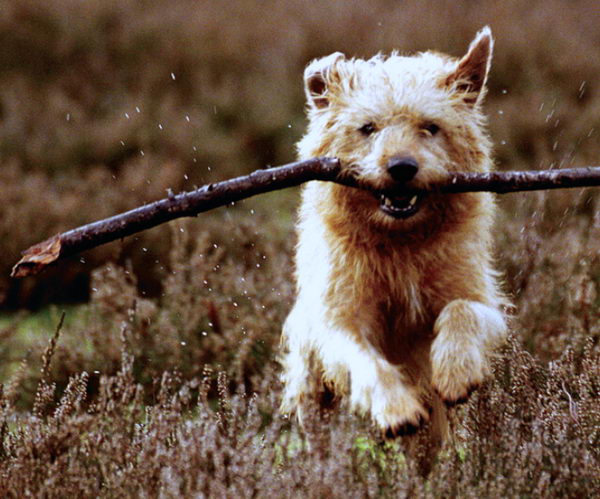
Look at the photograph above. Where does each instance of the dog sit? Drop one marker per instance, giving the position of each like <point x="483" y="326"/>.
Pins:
<point x="398" y="307"/>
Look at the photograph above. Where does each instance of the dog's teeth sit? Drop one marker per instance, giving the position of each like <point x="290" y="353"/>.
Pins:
<point x="413" y="200"/>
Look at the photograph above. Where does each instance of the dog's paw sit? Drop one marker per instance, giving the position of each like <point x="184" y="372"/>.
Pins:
<point x="453" y="399"/>
<point x="402" y="416"/>
<point x="459" y="353"/>
<point x="406" y="428"/>
<point x="455" y="376"/>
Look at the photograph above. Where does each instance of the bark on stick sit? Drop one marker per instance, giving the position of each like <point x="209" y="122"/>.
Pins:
<point x="222" y="193"/>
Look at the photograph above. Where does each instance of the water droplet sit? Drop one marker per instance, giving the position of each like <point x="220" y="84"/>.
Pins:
<point x="68" y="116"/>
<point x="82" y="260"/>
<point x="187" y="118"/>
<point x="204" y="333"/>
<point x="127" y="115"/>
<point x="183" y="343"/>
<point x="173" y="76"/>
<point x="185" y="176"/>
<point x="500" y="111"/>
<point x="504" y="91"/>
<point x="160" y="127"/>
<point x="137" y="109"/>
<point x="122" y="143"/>
<point x="145" y="250"/>
<point x="94" y="289"/>
<point x="141" y="152"/>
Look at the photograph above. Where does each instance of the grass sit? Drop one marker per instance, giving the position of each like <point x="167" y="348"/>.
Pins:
<point x="164" y="379"/>
<point x="518" y="436"/>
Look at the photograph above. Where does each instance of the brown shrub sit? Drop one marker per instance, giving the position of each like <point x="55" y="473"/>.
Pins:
<point x="531" y="431"/>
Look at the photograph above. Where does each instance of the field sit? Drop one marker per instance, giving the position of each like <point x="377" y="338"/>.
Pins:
<point x="162" y="379"/>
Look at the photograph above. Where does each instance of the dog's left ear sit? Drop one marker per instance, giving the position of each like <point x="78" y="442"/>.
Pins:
<point x="471" y="73"/>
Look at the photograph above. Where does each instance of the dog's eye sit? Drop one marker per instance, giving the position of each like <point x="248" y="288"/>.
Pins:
<point x="367" y="129"/>
<point x="431" y="128"/>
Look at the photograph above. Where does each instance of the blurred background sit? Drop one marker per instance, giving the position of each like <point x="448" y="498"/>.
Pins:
<point x="106" y="104"/>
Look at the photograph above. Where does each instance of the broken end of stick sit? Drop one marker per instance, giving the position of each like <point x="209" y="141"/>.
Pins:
<point x="37" y="258"/>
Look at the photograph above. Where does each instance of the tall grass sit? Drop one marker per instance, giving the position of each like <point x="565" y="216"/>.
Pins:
<point x="532" y="431"/>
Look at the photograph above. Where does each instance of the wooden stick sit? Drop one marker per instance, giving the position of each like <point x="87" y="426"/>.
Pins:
<point x="222" y="193"/>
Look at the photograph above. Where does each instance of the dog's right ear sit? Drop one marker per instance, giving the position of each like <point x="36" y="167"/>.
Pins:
<point x="319" y="76"/>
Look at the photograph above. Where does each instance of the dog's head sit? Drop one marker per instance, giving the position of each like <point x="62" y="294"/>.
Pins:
<point x="399" y="121"/>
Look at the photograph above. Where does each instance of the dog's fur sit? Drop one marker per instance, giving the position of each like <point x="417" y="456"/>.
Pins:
<point x="397" y="311"/>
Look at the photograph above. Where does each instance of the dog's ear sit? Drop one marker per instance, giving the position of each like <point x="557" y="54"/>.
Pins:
<point x="471" y="72"/>
<point x="319" y="76"/>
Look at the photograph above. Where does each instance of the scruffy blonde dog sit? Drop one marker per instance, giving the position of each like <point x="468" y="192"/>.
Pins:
<point x="398" y="305"/>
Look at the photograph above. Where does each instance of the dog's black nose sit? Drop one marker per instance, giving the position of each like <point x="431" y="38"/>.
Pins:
<point x="402" y="168"/>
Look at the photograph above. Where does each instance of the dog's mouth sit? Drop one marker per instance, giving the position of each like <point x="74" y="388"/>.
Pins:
<point x="399" y="206"/>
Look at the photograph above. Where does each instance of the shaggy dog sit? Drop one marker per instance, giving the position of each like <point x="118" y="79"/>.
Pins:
<point x="398" y="306"/>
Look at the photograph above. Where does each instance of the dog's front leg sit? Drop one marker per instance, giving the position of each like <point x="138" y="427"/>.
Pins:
<point x="385" y="391"/>
<point x="465" y="334"/>
<point x="350" y="367"/>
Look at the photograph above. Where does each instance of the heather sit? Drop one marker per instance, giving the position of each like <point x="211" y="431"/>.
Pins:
<point x="162" y="380"/>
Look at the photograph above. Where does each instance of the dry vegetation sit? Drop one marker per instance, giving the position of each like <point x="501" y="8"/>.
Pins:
<point x="165" y="383"/>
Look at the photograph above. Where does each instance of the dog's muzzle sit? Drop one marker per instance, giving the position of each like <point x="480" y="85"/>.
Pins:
<point x="401" y="168"/>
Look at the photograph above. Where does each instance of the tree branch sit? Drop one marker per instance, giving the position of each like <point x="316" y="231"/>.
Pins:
<point x="222" y="193"/>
